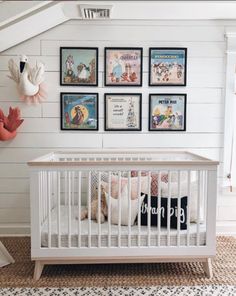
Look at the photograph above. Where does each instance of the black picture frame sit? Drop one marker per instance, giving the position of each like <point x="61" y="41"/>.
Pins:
<point x="63" y="62"/>
<point x="173" y="118"/>
<point x="164" y="72"/>
<point x="129" y="83"/>
<point x="67" y="117"/>
<point x="108" y="113"/>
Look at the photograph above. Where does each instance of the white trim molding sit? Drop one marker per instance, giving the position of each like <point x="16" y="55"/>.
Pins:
<point x="230" y="98"/>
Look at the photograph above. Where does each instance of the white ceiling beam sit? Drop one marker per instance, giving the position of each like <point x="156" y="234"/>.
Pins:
<point x="12" y="10"/>
<point x="32" y="25"/>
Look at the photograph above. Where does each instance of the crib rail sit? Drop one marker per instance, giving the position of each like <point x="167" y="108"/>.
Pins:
<point x="125" y="206"/>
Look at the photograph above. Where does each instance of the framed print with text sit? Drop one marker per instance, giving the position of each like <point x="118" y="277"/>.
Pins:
<point x="123" y="112"/>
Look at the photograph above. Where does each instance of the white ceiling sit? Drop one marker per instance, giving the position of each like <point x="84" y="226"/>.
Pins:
<point x="26" y="16"/>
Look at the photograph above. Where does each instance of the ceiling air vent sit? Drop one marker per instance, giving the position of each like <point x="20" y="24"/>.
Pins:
<point x="96" y="12"/>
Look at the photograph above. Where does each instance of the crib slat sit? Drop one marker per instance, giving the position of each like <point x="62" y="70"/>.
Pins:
<point x="79" y="209"/>
<point x="198" y="206"/>
<point x="45" y="195"/>
<point x="139" y="206"/>
<point x="59" y="208"/>
<point x="99" y="209"/>
<point x="205" y="196"/>
<point x="119" y="206"/>
<point x="109" y="209"/>
<point x="168" y="208"/>
<point x="40" y="199"/>
<point x="178" y="208"/>
<point x="66" y="188"/>
<point x="41" y="196"/>
<point x="69" y="209"/>
<point x="159" y="210"/>
<point x="129" y="204"/>
<point x="72" y="188"/>
<point x="49" y="207"/>
<point x="188" y="207"/>
<point x="89" y="209"/>
<point x="149" y="208"/>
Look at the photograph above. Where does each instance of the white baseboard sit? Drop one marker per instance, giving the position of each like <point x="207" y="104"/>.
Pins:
<point x="12" y="229"/>
<point x="226" y="228"/>
<point x="23" y="229"/>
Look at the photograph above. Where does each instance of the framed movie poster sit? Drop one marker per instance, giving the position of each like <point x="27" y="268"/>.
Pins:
<point x="167" y="112"/>
<point x="167" y="66"/>
<point x="123" y="112"/>
<point x="123" y="66"/>
<point x="79" y="66"/>
<point x="79" y="111"/>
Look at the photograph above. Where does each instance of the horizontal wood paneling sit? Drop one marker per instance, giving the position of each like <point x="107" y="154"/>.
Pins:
<point x="52" y="125"/>
<point x="64" y="139"/>
<point x="195" y="49"/>
<point x="26" y="110"/>
<point x="13" y="215"/>
<point x="14" y="201"/>
<point x="135" y="32"/>
<point x="199" y="95"/>
<point x="14" y="185"/>
<point x="14" y="170"/>
<point x="40" y="133"/>
<point x="163" y="140"/>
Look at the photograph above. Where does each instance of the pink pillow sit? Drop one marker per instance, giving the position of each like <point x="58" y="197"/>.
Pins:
<point x="124" y="183"/>
<point x="154" y="180"/>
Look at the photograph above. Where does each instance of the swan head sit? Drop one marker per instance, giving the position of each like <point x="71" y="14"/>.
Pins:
<point x="23" y="62"/>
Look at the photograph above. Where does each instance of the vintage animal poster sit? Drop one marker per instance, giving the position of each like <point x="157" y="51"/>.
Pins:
<point x="123" y="66"/>
<point x="167" y="112"/>
<point x="167" y="66"/>
<point x="79" y="111"/>
<point x="79" y="66"/>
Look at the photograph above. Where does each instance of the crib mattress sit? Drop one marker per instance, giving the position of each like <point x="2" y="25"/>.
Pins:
<point x="124" y="239"/>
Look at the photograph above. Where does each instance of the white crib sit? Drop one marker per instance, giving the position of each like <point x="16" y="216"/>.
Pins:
<point x="62" y="184"/>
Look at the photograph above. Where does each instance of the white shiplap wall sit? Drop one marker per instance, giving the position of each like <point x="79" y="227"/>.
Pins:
<point x="40" y="133"/>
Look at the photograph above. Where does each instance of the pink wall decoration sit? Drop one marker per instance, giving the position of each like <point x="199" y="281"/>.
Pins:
<point x="9" y="124"/>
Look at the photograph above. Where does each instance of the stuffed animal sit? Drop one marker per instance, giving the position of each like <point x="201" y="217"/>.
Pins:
<point x="94" y="208"/>
<point x="9" y="125"/>
<point x="29" y="80"/>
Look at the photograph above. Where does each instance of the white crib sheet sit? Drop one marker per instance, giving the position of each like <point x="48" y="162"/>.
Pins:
<point x="114" y="232"/>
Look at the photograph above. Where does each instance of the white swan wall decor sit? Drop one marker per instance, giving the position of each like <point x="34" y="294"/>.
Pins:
<point x="29" y="80"/>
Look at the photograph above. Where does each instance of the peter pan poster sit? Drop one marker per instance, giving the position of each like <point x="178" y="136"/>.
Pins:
<point x="167" y="67"/>
<point x="123" y="67"/>
<point x="79" y="111"/>
<point x="167" y="112"/>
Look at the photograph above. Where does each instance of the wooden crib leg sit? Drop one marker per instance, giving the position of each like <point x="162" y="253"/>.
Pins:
<point x="38" y="268"/>
<point x="207" y="266"/>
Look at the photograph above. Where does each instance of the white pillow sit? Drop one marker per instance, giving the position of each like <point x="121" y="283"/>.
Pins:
<point x="124" y="204"/>
<point x="184" y="192"/>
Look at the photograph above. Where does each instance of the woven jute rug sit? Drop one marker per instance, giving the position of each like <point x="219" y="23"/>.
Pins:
<point x="20" y="273"/>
